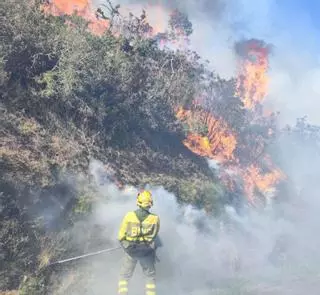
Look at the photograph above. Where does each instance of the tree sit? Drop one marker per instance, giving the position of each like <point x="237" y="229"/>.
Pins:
<point x="180" y="23"/>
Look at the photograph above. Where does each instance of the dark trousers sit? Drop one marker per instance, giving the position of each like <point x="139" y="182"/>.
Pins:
<point x="128" y="266"/>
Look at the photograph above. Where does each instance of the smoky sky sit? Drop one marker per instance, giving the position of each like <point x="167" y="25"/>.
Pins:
<point x="213" y="8"/>
<point x="294" y="67"/>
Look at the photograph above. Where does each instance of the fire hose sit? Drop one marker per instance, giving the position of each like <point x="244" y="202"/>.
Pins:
<point x="85" y="255"/>
<point x="158" y="242"/>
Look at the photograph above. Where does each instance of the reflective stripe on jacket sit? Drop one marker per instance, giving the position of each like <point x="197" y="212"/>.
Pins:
<point x="132" y="230"/>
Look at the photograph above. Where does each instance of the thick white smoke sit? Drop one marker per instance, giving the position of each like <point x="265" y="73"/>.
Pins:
<point x="200" y="253"/>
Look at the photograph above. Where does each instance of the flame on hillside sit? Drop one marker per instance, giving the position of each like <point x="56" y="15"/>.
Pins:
<point x="219" y="142"/>
<point x="157" y="16"/>
<point x="264" y="182"/>
<point x="252" y="83"/>
<point x="83" y="8"/>
<point x="208" y="136"/>
<point x="216" y="141"/>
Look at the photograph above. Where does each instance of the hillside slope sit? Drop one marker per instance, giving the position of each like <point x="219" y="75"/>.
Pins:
<point x="69" y="96"/>
<point x="150" y="114"/>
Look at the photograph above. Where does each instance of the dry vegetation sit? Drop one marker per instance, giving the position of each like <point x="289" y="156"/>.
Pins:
<point x="67" y="96"/>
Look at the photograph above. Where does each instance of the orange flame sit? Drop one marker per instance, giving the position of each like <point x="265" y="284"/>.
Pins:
<point x="254" y="178"/>
<point x="82" y="8"/>
<point x="252" y="86"/>
<point x="217" y="142"/>
<point x="252" y="83"/>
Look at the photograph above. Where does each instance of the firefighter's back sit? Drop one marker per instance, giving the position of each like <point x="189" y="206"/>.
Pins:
<point x="141" y="230"/>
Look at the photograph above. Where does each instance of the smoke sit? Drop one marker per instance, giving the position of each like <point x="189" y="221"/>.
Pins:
<point x="200" y="253"/>
<point x="294" y="64"/>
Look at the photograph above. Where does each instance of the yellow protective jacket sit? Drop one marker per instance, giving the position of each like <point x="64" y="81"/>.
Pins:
<point x="132" y="230"/>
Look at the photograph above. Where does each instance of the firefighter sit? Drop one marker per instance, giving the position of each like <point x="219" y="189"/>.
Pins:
<point x="138" y="236"/>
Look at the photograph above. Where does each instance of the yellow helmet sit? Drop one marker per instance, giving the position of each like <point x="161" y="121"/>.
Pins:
<point x="144" y="199"/>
